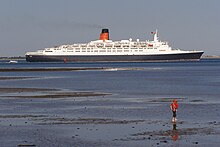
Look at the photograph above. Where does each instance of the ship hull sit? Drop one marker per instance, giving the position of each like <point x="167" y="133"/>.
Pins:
<point x="115" y="58"/>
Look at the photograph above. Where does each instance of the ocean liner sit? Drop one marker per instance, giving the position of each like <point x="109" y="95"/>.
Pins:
<point x="105" y="50"/>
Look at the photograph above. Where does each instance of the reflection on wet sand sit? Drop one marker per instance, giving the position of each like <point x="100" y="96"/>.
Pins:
<point x="174" y="133"/>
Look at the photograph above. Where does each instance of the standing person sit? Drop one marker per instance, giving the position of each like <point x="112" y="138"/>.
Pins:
<point x="174" y="107"/>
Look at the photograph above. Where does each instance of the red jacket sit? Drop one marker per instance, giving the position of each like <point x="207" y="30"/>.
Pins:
<point x="174" y="106"/>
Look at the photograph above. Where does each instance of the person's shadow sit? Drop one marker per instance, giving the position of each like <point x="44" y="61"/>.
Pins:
<point x="174" y="133"/>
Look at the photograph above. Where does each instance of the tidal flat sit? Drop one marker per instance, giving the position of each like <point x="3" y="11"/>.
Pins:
<point x="53" y="117"/>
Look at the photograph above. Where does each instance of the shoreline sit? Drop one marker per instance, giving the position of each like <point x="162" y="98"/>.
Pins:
<point x="211" y="57"/>
<point x="65" y="69"/>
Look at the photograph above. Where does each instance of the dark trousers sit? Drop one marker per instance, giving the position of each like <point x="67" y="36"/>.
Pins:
<point x="174" y="113"/>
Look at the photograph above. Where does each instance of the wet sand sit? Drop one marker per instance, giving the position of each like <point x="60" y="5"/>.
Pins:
<point x="54" y="117"/>
<point x="40" y="93"/>
<point x="24" y="90"/>
<point x="14" y="78"/>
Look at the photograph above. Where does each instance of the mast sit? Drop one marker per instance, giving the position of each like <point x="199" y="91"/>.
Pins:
<point x="155" y="36"/>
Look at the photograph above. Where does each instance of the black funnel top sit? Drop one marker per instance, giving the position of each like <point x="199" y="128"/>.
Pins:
<point x="104" y="30"/>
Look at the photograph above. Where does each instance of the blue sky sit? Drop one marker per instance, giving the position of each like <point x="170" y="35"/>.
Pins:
<point x="28" y="25"/>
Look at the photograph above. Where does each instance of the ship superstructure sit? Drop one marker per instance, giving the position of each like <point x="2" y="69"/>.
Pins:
<point x="115" y="51"/>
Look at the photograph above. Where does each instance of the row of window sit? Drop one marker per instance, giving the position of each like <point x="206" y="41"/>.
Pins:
<point x="103" y="51"/>
<point x="106" y="46"/>
<point x="132" y="48"/>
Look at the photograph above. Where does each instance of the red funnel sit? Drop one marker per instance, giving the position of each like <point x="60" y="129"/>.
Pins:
<point x="104" y="35"/>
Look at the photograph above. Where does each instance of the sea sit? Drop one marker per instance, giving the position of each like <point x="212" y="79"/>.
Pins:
<point x="193" y="80"/>
<point x="137" y="91"/>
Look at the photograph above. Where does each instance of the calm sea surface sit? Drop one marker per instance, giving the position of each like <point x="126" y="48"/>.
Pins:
<point x="192" y="80"/>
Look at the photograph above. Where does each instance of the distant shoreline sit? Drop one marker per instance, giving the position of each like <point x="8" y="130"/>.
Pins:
<point x="210" y="57"/>
<point x="12" y="58"/>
